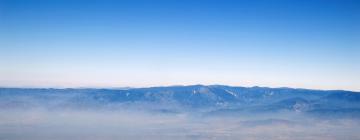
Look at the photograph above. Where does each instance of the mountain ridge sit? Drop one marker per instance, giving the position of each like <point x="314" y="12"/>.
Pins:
<point x="212" y="98"/>
<point x="170" y="86"/>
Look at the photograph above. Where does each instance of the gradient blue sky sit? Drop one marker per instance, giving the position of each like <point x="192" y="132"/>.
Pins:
<point x="87" y="43"/>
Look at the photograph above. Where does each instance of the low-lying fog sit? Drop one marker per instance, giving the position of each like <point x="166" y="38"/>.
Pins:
<point x="40" y="124"/>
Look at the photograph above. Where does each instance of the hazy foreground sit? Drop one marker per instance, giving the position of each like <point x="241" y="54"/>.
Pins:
<point x="93" y="125"/>
<point x="29" y="114"/>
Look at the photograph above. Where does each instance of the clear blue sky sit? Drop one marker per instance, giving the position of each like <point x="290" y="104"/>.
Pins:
<point x="87" y="43"/>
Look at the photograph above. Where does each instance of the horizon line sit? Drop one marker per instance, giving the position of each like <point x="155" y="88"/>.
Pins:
<point x="175" y="85"/>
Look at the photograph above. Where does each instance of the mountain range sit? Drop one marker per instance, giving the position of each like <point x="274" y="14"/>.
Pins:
<point x="212" y="99"/>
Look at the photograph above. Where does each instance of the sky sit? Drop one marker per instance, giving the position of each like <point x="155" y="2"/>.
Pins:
<point x="103" y="43"/>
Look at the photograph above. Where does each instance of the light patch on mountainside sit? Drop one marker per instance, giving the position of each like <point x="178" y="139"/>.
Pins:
<point x="230" y="92"/>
